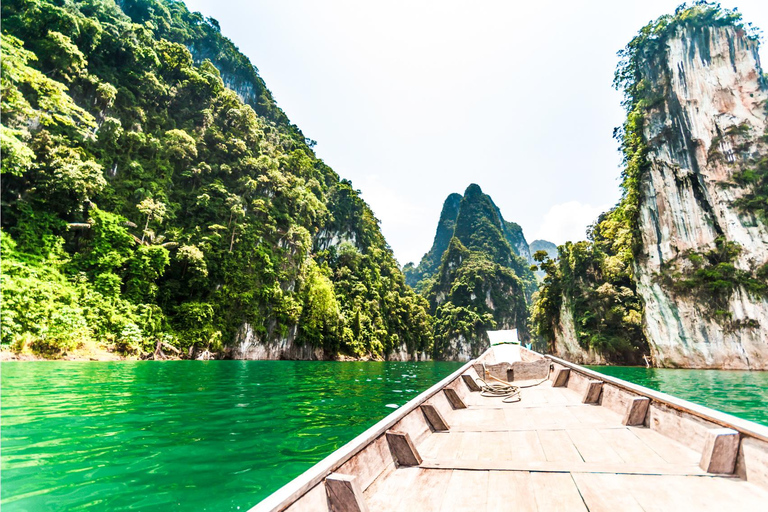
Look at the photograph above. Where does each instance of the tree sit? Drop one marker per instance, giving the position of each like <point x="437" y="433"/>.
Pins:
<point x="153" y="210"/>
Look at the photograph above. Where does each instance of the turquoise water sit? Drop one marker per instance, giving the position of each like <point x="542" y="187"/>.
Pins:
<point x="741" y="393"/>
<point x="183" y="435"/>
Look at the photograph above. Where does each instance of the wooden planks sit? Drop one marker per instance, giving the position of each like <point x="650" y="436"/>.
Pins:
<point x="525" y="446"/>
<point x="592" y="393"/>
<point x="560" y="378"/>
<point x="470" y="382"/>
<point x="558" y="446"/>
<point x="344" y="493"/>
<point x="510" y="490"/>
<point x="630" y="448"/>
<point x="566" y="467"/>
<point x="667" y="448"/>
<point x="707" y="493"/>
<point x="387" y="492"/>
<point x="427" y="491"/>
<point x="403" y="450"/>
<point x="605" y="493"/>
<point x="316" y="500"/>
<point x="556" y="491"/>
<point x="720" y="449"/>
<point x="434" y="418"/>
<point x="637" y="409"/>
<point x="592" y="446"/>
<point x="369" y="463"/>
<point x="454" y="398"/>
<point x="467" y="491"/>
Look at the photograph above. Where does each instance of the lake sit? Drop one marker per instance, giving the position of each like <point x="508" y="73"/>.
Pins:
<point x="184" y="435"/>
<point x="222" y="435"/>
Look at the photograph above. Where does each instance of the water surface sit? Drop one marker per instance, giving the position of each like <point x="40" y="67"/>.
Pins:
<point x="183" y="435"/>
<point x="741" y="393"/>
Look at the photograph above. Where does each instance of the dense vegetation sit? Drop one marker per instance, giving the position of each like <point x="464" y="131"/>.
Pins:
<point x="146" y="205"/>
<point x="472" y="276"/>
<point x="595" y="278"/>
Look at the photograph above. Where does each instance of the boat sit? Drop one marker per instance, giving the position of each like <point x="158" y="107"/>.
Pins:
<point x="516" y="430"/>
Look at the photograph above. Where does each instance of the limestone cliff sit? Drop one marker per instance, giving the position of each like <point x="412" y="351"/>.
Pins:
<point x="476" y="276"/>
<point x="480" y="214"/>
<point x="568" y="346"/>
<point x="704" y="127"/>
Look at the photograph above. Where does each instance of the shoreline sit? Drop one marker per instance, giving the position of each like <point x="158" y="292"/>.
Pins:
<point x="101" y="355"/>
<point x="7" y="356"/>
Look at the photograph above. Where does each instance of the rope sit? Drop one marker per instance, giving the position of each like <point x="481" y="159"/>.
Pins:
<point x="507" y="392"/>
<point x="504" y="390"/>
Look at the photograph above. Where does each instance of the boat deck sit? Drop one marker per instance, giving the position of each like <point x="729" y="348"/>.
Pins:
<point x="552" y="452"/>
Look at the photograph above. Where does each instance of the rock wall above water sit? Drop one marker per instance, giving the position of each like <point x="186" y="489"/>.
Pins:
<point x="704" y="128"/>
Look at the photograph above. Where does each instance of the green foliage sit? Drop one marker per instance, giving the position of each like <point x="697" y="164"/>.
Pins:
<point x="470" y="294"/>
<point x="754" y="179"/>
<point x="457" y="324"/>
<point x="594" y="280"/>
<point x="49" y="312"/>
<point x="321" y="316"/>
<point x="713" y="276"/>
<point x="213" y="210"/>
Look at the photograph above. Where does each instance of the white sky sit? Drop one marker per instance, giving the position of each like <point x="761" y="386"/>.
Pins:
<point x="413" y="100"/>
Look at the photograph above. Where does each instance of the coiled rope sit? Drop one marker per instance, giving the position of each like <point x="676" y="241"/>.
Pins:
<point x="504" y="390"/>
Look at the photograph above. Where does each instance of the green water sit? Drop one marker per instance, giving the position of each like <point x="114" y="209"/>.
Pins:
<point x="741" y="393"/>
<point x="183" y="435"/>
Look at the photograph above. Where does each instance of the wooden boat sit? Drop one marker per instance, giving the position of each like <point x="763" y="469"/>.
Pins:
<point x="576" y="440"/>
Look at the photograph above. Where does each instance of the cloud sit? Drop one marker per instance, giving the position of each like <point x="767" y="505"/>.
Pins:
<point x="568" y="222"/>
<point x="405" y="225"/>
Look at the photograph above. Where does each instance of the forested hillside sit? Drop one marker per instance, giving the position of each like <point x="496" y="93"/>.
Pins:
<point x="156" y="199"/>
<point x="476" y="276"/>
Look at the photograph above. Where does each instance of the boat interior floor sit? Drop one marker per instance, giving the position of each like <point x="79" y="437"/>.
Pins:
<point x="551" y="452"/>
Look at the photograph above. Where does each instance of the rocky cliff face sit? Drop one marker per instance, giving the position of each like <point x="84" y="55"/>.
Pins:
<point x="706" y="129"/>
<point x="514" y="235"/>
<point x="567" y="344"/>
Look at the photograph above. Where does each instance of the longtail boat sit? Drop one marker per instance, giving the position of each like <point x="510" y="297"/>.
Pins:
<point x="516" y="430"/>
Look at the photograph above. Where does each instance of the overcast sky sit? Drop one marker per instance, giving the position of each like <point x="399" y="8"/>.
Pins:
<point x="413" y="100"/>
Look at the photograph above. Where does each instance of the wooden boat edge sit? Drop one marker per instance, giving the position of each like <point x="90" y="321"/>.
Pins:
<point x="299" y="486"/>
<point x="311" y="480"/>
<point x="745" y="427"/>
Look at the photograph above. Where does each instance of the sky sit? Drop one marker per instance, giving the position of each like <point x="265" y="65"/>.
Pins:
<point x="414" y="100"/>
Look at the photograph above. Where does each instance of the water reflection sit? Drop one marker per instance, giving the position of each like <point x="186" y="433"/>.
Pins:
<point x="203" y="435"/>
